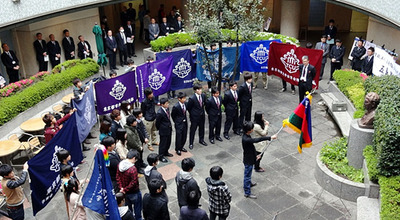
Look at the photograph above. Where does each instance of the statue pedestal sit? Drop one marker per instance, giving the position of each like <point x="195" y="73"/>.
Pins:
<point x="358" y="139"/>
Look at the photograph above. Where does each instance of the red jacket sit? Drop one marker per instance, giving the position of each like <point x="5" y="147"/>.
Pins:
<point x="50" y="132"/>
<point x="127" y="177"/>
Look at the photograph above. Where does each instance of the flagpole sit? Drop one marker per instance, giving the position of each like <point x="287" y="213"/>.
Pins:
<point x="266" y="147"/>
<point x="84" y="181"/>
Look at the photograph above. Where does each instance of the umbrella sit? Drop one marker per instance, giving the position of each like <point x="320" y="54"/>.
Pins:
<point x="102" y="59"/>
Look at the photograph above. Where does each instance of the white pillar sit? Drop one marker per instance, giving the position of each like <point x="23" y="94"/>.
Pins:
<point x="290" y="17"/>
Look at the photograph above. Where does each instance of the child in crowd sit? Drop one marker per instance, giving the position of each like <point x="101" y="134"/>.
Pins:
<point x="11" y="186"/>
<point x="72" y="194"/>
<point x="218" y="193"/>
<point x="52" y="126"/>
<point x="144" y="136"/>
<point x="191" y="211"/>
<point x="121" y="148"/>
<point x="124" y="211"/>
<point x="155" y="205"/>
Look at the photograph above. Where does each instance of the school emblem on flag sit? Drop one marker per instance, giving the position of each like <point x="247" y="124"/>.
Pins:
<point x="182" y="68"/>
<point x="300" y="122"/>
<point x="260" y="54"/>
<point x="290" y="61"/>
<point x="156" y="79"/>
<point x="118" y="90"/>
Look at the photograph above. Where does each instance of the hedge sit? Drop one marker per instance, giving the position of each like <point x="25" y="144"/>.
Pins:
<point x="387" y="123"/>
<point x="390" y="197"/>
<point x="11" y="106"/>
<point x="372" y="163"/>
<point x="189" y="38"/>
<point x="351" y="84"/>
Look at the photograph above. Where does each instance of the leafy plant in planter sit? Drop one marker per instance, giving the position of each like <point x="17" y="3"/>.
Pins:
<point x="333" y="155"/>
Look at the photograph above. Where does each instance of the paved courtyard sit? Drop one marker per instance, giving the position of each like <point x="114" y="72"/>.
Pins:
<point x="287" y="190"/>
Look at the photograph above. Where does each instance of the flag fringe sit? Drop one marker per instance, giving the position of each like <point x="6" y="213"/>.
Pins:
<point x="290" y="125"/>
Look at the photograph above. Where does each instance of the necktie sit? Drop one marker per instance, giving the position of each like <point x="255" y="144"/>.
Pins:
<point x="167" y="111"/>
<point x="183" y="109"/>
<point x="303" y="74"/>
<point x="235" y="96"/>
<point x="69" y="41"/>
<point x="217" y="102"/>
<point x="200" y="101"/>
<point x="84" y="46"/>
<point x="9" y="54"/>
<point x="123" y="37"/>
<point x="249" y="89"/>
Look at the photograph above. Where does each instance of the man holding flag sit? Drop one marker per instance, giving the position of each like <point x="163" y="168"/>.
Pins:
<point x="307" y="74"/>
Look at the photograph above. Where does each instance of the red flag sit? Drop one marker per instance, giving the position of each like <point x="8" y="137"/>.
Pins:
<point x="284" y="60"/>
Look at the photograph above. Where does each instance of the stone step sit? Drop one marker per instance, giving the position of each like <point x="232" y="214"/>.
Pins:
<point x="367" y="208"/>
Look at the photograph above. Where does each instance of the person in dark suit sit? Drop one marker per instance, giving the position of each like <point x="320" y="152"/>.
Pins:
<point x="154" y="30"/>
<point x="195" y="106"/>
<point x="368" y="62"/>
<point x="68" y="46"/>
<point x="307" y="74"/>
<point x="164" y="126"/>
<point x="336" y="55"/>
<point x="54" y="51"/>
<point x="179" y="26"/>
<point x="230" y="102"/>
<point x="111" y="48"/>
<point x="325" y="48"/>
<point x="130" y="33"/>
<point x="131" y="13"/>
<point x="358" y="53"/>
<point x="41" y="52"/>
<point x="213" y="108"/>
<point x="122" y="46"/>
<point x="11" y="63"/>
<point x="330" y="31"/>
<point x="84" y="49"/>
<point x="164" y="27"/>
<point x="178" y="115"/>
<point x="245" y="98"/>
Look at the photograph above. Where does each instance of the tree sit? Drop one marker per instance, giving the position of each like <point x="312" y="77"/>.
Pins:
<point x="208" y="18"/>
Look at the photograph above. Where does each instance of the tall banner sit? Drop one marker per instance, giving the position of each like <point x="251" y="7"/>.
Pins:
<point x="384" y="64"/>
<point x="111" y="92"/>
<point x="156" y="75"/>
<point x="183" y="71"/>
<point x="228" y="64"/>
<point x="284" y="60"/>
<point x="254" y="56"/>
<point x="86" y="113"/>
<point x="99" y="194"/>
<point x="44" y="168"/>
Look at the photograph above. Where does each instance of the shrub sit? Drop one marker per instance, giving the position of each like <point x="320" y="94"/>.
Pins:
<point x="51" y="84"/>
<point x="189" y="38"/>
<point x="387" y="123"/>
<point x="372" y="163"/>
<point x="351" y="84"/>
<point x="333" y="155"/>
<point x="390" y="197"/>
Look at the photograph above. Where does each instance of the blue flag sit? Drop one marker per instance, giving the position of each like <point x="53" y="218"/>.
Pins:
<point x="44" y="168"/>
<point x="86" y="113"/>
<point x="183" y="70"/>
<point x="111" y="92"/>
<point x="228" y="64"/>
<point x="156" y="75"/>
<point x="99" y="194"/>
<point x="255" y="56"/>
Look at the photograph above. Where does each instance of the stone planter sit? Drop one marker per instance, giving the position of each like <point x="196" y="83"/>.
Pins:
<point x="8" y="127"/>
<point x="337" y="185"/>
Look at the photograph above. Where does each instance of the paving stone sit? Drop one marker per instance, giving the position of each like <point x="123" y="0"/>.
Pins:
<point x="279" y="204"/>
<point x="328" y="211"/>
<point x="298" y="211"/>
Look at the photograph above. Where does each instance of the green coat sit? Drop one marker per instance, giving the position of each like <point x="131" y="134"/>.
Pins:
<point x="132" y="138"/>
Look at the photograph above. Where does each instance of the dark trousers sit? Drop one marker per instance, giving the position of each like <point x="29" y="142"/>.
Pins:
<point x="113" y="62"/>
<point x="131" y="48"/>
<point x="215" y="126"/>
<point x="42" y="66"/>
<point x="54" y="63"/>
<point x="146" y="35"/>
<point x="141" y="29"/>
<point x="231" y="118"/>
<point x="13" y="75"/>
<point x="180" y="137"/>
<point x="334" y="66"/>
<point x="257" y="164"/>
<point x="165" y="143"/>
<point x="284" y="85"/>
<point x="213" y="216"/>
<point x="302" y="90"/>
<point x="139" y="162"/>
<point x="16" y="213"/>
<point x="194" y="123"/>
<point x="245" y="114"/>
<point x="123" y="56"/>
<point x="322" y="71"/>
<point x="134" y="203"/>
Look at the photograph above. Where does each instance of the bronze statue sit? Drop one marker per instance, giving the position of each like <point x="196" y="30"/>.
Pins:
<point x="370" y="103"/>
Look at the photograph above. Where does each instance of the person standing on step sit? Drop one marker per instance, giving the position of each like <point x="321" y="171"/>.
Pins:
<point x="179" y="117"/>
<point x="195" y="106"/>
<point x="213" y="108"/>
<point x="230" y="102"/>
<point x="164" y="126"/>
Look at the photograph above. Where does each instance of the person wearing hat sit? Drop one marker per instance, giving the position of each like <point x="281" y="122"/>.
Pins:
<point x="336" y="55"/>
<point x="325" y="49"/>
